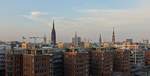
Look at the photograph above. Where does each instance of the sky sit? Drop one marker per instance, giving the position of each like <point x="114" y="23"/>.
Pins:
<point x="88" y="18"/>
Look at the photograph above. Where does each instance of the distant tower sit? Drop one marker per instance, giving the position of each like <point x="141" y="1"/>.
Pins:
<point x="113" y="37"/>
<point x="100" y="41"/>
<point x="75" y="40"/>
<point x="53" y="35"/>
<point x="44" y="39"/>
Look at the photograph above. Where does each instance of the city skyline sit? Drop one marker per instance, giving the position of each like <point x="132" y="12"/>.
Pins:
<point x="21" y="18"/>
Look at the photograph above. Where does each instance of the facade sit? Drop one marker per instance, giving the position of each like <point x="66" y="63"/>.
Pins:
<point x="101" y="63"/>
<point x="76" y="63"/>
<point x="60" y="45"/>
<point x="122" y="62"/>
<point x="137" y="61"/>
<point x="87" y="44"/>
<point x="14" y="62"/>
<point x="36" y="65"/>
<point x="3" y="49"/>
<point x="129" y="41"/>
<point x="147" y="57"/>
<point x="137" y="57"/>
<point x="43" y="62"/>
<point x="105" y="60"/>
<point x="34" y="62"/>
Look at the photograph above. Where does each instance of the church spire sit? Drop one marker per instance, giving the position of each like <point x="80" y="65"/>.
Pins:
<point x="53" y="35"/>
<point x="100" y="40"/>
<point x="53" y="25"/>
<point x="113" y="36"/>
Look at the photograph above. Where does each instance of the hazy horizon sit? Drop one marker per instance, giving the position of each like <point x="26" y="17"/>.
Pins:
<point x="88" y="18"/>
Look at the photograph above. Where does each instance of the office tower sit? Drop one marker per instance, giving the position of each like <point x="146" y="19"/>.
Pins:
<point x="113" y="37"/>
<point x="122" y="62"/>
<point x="101" y="62"/>
<point x="76" y="63"/>
<point x="53" y="35"/>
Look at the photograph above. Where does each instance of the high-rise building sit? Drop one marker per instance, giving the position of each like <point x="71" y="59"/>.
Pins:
<point x="101" y="63"/>
<point x="53" y="35"/>
<point x="76" y="63"/>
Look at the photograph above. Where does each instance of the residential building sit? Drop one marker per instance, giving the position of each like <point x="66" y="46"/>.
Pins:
<point x="76" y="63"/>
<point x="101" y="62"/>
<point x="121" y="62"/>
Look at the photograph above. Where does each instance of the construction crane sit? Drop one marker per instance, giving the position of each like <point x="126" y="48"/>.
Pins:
<point x="34" y="38"/>
<point x="23" y="38"/>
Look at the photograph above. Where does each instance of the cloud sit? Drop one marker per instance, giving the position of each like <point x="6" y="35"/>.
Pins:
<point x="38" y="16"/>
<point x="35" y="14"/>
<point x="38" y="13"/>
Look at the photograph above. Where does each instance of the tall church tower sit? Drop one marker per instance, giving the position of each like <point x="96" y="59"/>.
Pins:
<point x="113" y="37"/>
<point x="53" y="35"/>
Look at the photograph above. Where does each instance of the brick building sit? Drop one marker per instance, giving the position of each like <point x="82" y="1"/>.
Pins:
<point x="122" y="62"/>
<point x="76" y="63"/>
<point x="101" y="63"/>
